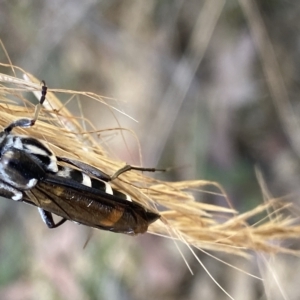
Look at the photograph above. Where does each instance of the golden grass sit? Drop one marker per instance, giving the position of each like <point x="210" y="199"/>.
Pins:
<point x="202" y="225"/>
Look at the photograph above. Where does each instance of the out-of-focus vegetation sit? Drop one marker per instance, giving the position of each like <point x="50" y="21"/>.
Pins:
<point x="214" y="87"/>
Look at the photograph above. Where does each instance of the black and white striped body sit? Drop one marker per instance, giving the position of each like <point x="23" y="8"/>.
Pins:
<point x="42" y="160"/>
<point x="30" y="172"/>
<point x="84" y="179"/>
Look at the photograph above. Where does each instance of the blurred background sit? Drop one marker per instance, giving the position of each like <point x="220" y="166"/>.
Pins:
<point x="214" y="86"/>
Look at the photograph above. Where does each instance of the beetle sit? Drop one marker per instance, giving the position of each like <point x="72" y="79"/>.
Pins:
<point x="31" y="173"/>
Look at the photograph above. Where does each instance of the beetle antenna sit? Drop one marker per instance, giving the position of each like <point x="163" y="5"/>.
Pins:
<point x="25" y="123"/>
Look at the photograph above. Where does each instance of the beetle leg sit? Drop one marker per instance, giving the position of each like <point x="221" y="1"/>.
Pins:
<point x="48" y="219"/>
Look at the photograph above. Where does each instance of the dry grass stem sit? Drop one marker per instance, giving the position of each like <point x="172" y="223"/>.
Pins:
<point x="202" y="225"/>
